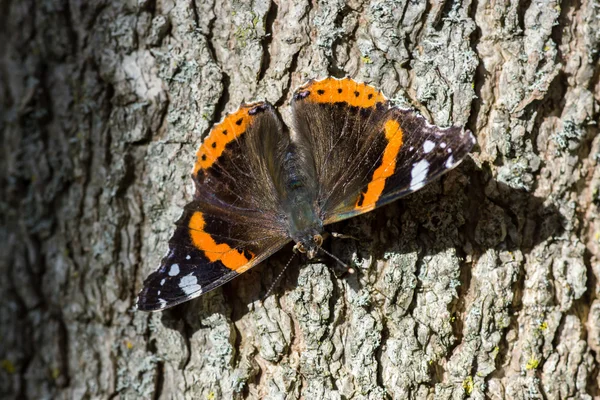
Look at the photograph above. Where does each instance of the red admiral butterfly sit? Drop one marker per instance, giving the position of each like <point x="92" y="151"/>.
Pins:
<point x="260" y="185"/>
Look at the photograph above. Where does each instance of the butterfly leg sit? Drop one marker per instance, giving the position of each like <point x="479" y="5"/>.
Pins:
<point x="342" y="236"/>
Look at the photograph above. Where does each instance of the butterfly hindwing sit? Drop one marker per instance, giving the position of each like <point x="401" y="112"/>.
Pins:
<point x="234" y="221"/>
<point x="239" y="163"/>
<point x="332" y="119"/>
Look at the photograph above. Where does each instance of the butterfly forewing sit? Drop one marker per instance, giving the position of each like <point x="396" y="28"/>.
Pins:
<point x="415" y="154"/>
<point x="208" y="249"/>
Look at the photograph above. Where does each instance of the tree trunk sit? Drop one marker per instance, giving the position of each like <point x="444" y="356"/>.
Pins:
<point x="484" y="284"/>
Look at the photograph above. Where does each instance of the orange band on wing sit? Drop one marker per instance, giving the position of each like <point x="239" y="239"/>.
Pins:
<point x="331" y="90"/>
<point x="230" y="257"/>
<point x="393" y="134"/>
<point x="227" y="131"/>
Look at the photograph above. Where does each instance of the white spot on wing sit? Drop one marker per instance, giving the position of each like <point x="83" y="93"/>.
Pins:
<point x="174" y="270"/>
<point x="443" y="145"/>
<point x="162" y="303"/>
<point x="428" y="145"/>
<point x="450" y="162"/>
<point x="188" y="257"/>
<point x="418" y="174"/>
<point x="162" y="282"/>
<point x="449" y="150"/>
<point x="189" y="284"/>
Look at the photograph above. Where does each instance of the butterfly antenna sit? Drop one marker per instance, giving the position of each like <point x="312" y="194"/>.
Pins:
<point x="279" y="277"/>
<point x="343" y="264"/>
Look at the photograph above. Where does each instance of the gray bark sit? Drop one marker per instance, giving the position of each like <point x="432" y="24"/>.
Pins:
<point x="484" y="284"/>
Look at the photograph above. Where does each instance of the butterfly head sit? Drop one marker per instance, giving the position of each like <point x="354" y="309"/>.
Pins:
<point x="309" y="244"/>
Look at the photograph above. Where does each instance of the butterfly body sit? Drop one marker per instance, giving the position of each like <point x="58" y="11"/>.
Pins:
<point x="260" y="186"/>
<point x="300" y="203"/>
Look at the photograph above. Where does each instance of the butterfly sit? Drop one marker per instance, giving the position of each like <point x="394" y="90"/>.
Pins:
<point x="260" y="185"/>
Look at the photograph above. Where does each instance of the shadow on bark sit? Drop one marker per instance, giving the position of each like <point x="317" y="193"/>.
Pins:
<point x="497" y="217"/>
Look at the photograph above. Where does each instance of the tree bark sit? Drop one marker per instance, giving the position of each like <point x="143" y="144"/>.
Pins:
<point x="484" y="284"/>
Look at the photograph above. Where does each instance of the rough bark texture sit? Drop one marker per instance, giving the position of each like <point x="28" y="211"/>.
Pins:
<point x="484" y="284"/>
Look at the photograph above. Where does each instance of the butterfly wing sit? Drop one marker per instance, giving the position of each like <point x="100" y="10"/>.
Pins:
<point x="208" y="249"/>
<point x="234" y="221"/>
<point x="415" y="154"/>
<point x="367" y="153"/>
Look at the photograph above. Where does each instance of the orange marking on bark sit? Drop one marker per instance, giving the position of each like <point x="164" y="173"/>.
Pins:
<point x="331" y="90"/>
<point x="227" y="131"/>
<point x="230" y="257"/>
<point x="393" y="134"/>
